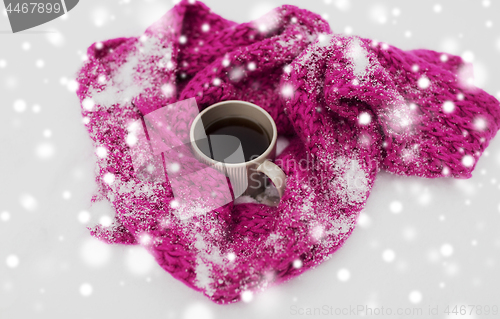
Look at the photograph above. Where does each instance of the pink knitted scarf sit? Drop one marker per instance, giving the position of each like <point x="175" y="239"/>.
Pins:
<point x="349" y="107"/>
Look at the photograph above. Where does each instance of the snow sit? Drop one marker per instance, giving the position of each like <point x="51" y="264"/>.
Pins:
<point x="205" y="27"/>
<point x="40" y="63"/>
<point x="236" y="74"/>
<point x="318" y="231"/>
<point x="174" y="168"/>
<point x="198" y="311"/>
<point x="84" y="217"/>
<point x="101" y="79"/>
<point x="423" y="82"/>
<point x="45" y="150"/>
<point x="448" y="106"/>
<point x="12" y="261"/>
<point x="26" y="46"/>
<point x="145" y="239"/>
<point x="86" y="289"/>
<point x="343" y="275"/>
<point x="379" y="14"/>
<point x="388" y="255"/>
<point x="324" y="40"/>
<point x="409" y="233"/>
<point x="66" y="195"/>
<point x="203" y="276"/>
<point x="446" y="250"/>
<point x="206" y="257"/>
<point x="468" y="56"/>
<point x="364" y="118"/>
<point x="287" y="90"/>
<point x="100" y="16"/>
<point x="28" y="202"/>
<point x="105" y="221"/>
<point x="424" y="198"/>
<point x="396" y="207"/>
<point x="168" y="90"/>
<point x="109" y="178"/>
<point x="5" y="216"/>
<point x="358" y="57"/>
<point x="468" y="161"/>
<point x="247" y="296"/>
<point x="20" y="106"/>
<point x="451" y="269"/>
<point x="415" y="296"/>
<point x="364" y="220"/>
<point x="264" y="17"/>
<point x="480" y="124"/>
<point x="351" y="184"/>
<point x="343" y="5"/>
<point x="72" y="86"/>
<point x="131" y="138"/>
<point x="95" y="253"/>
<point x="450" y="45"/>
<point x="174" y="204"/>
<point x="3" y="63"/>
<point x="124" y="83"/>
<point x="297" y="263"/>
<point x="101" y="152"/>
<point x="139" y="262"/>
<point x="217" y="82"/>
<point x="251" y="66"/>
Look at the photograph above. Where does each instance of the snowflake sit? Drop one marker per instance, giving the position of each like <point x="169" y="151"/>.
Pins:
<point x="415" y="297"/>
<point x="109" y="178"/>
<point x="246" y="296"/>
<point x="86" y="289"/>
<point x="448" y="106"/>
<point x="388" y="255"/>
<point x="423" y="82"/>
<point x="468" y="161"/>
<point x="343" y="275"/>
<point x="287" y="90"/>
<point x="88" y="104"/>
<point x="364" y="118"/>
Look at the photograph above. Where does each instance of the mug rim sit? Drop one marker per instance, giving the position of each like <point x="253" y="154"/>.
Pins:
<point x="265" y="154"/>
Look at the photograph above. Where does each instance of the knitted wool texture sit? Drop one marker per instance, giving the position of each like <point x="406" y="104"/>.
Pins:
<point x="349" y="106"/>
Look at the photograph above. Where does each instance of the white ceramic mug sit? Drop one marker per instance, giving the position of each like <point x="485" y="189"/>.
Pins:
<point x="247" y="178"/>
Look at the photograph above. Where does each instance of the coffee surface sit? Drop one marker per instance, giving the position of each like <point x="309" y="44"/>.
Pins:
<point x="234" y="140"/>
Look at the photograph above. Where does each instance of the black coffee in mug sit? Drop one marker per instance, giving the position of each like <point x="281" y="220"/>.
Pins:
<point x="234" y="140"/>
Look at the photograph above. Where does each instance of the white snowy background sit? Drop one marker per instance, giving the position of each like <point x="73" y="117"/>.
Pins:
<point x="419" y="243"/>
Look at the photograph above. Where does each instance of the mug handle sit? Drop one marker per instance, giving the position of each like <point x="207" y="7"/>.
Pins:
<point x="276" y="175"/>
